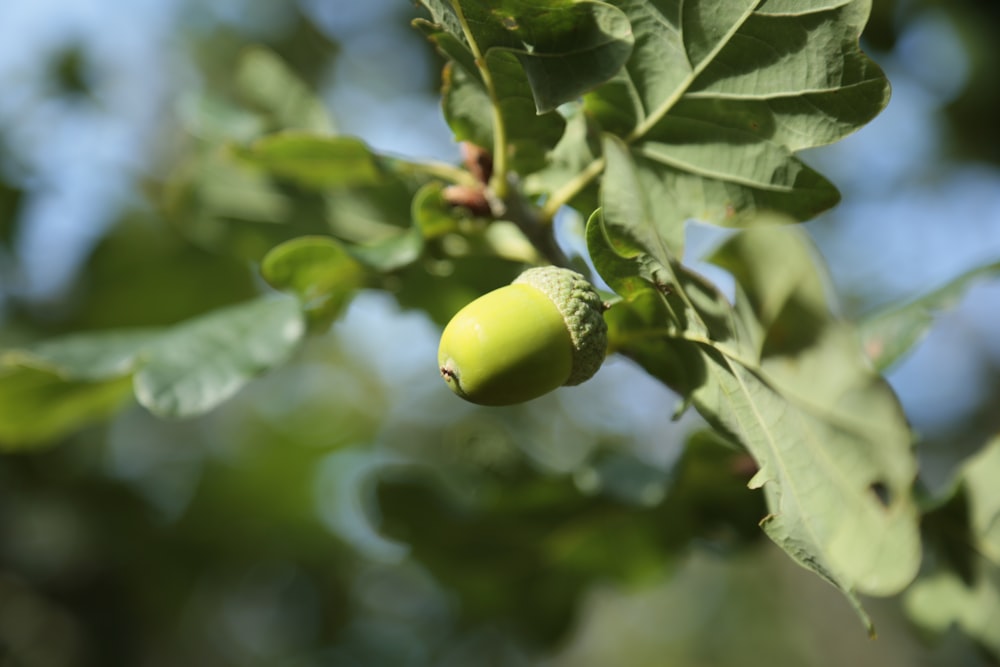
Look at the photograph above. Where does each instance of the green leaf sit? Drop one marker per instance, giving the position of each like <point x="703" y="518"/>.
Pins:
<point x="794" y="7"/>
<point x="38" y="406"/>
<point x="636" y="198"/>
<point x="942" y="597"/>
<point x="834" y="456"/>
<point x="941" y="600"/>
<point x="793" y="74"/>
<point x="54" y="387"/>
<point x="980" y="476"/>
<point x="221" y="203"/>
<point x="434" y="216"/>
<point x="546" y="539"/>
<point x="563" y="47"/>
<point x="716" y="100"/>
<point x="891" y="333"/>
<point x="577" y="149"/>
<point x="839" y="445"/>
<point x="229" y="190"/>
<point x="266" y="81"/>
<point x="529" y="135"/>
<point x="314" y="161"/>
<point x="369" y="198"/>
<point x="212" y="118"/>
<point x="468" y="106"/>
<point x="371" y="214"/>
<point x="319" y="271"/>
<point x="785" y="305"/>
<point x="197" y="365"/>
<point x="85" y="356"/>
<point x="392" y="253"/>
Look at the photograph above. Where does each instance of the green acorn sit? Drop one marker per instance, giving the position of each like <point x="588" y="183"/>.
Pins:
<point x="544" y="330"/>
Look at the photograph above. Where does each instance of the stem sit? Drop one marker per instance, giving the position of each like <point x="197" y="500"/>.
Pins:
<point x="570" y="189"/>
<point x="526" y="217"/>
<point x="498" y="182"/>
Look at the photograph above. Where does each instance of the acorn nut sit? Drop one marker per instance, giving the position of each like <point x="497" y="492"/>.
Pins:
<point x="544" y="330"/>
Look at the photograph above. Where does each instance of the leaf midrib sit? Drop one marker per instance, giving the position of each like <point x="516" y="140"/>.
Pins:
<point x="664" y="108"/>
<point x="698" y="170"/>
<point x="648" y="122"/>
<point x="786" y="482"/>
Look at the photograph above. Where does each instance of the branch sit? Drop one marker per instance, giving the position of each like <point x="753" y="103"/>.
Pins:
<point x="526" y="216"/>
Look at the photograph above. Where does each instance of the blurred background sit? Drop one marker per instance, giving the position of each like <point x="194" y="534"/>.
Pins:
<point x="346" y="509"/>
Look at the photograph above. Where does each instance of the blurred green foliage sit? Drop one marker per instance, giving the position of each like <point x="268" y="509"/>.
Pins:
<point x="335" y="513"/>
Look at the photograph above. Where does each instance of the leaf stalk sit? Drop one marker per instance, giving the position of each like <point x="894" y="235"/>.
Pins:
<point x="498" y="181"/>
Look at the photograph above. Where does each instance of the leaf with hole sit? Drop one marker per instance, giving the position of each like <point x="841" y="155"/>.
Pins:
<point x="834" y="456"/>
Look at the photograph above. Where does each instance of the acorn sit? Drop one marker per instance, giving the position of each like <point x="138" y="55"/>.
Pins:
<point x="516" y="343"/>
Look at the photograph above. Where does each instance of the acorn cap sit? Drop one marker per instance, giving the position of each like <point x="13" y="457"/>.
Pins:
<point x="582" y="310"/>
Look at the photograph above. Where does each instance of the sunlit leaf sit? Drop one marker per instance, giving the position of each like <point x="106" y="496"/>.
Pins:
<point x="632" y="196"/>
<point x="38" y="406"/>
<point x="793" y="75"/>
<point x="834" y="455"/>
<point x="716" y="100"/>
<point x="319" y="271"/>
<point x="181" y="371"/>
<point x="312" y="160"/>
<point x="199" y="364"/>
